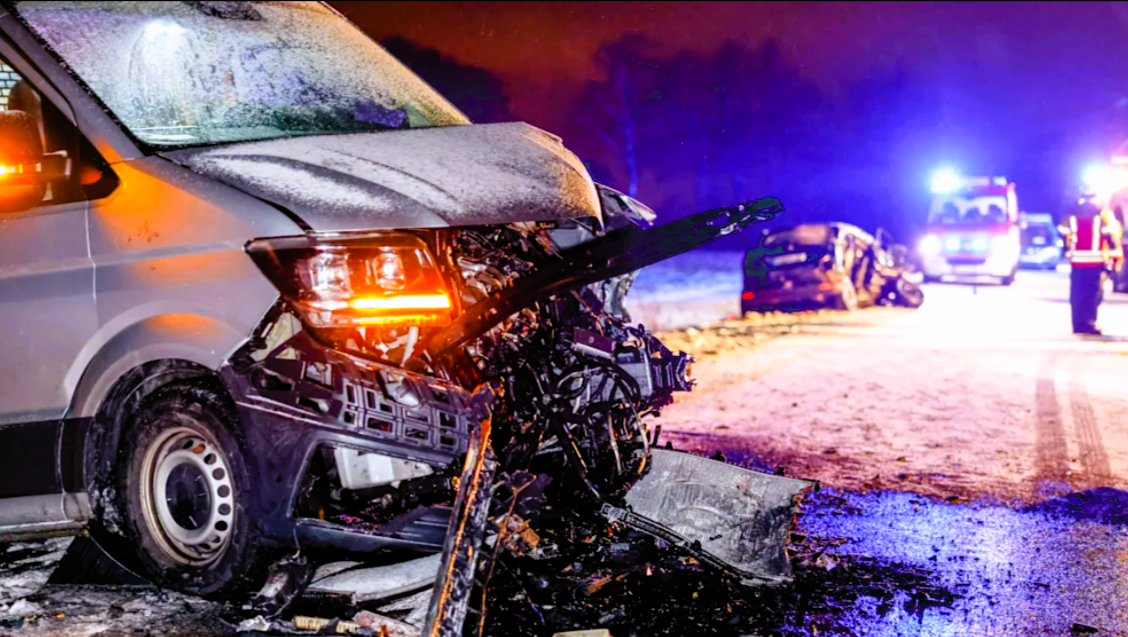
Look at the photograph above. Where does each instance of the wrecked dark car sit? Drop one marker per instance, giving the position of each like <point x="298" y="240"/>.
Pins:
<point x="278" y="303"/>
<point x="827" y="265"/>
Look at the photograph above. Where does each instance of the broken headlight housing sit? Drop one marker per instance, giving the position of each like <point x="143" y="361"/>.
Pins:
<point x="384" y="279"/>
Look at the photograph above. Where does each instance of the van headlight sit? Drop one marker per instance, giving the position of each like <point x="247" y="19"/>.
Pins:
<point x="381" y="279"/>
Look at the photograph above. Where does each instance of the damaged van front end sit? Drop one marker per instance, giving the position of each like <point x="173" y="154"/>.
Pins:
<point x="532" y="396"/>
<point x="317" y="315"/>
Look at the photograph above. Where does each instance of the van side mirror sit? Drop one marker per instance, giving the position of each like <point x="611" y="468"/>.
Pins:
<point x="24" y="170"/>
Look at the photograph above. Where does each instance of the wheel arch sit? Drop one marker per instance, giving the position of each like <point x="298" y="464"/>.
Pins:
<point x="131" y="365"/>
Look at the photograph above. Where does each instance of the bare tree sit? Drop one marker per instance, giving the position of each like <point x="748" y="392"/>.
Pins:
<point x="610" y="109"/>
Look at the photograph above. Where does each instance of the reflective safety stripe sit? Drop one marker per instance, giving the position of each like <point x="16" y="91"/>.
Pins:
<point x="1087" y="242"/>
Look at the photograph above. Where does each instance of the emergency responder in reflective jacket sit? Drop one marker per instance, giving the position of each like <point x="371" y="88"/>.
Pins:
<point x="1092" y="239"/>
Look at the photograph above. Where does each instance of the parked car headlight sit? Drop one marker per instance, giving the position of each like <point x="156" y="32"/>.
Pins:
<point x="379" y="279"/>
<point x="930" y="245"/>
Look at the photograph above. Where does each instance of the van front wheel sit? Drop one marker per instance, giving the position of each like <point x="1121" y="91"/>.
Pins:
<point x="183" y="487"/>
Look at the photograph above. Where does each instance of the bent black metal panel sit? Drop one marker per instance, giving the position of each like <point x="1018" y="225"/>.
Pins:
<point x="741" y="518"/>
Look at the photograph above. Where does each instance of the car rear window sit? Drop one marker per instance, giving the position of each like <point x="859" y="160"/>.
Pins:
<point x="799" y="235"/>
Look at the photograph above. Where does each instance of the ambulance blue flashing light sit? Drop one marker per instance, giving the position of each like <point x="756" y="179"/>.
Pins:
<point x="945" y="181"/>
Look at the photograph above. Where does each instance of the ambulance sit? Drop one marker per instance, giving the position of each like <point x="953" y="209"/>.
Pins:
<point x="973" y="230"/>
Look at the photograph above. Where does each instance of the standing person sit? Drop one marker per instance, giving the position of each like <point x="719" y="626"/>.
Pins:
<point x="1094" y="249"/>
<point x="1120" y="278"/>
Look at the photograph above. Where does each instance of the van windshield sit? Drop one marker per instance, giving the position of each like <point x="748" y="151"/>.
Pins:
<point x="191" y="73"/>
<point x="1039" y="234"/>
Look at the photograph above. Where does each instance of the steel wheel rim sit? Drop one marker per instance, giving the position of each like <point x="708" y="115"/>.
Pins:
<point x="187" y="497"/>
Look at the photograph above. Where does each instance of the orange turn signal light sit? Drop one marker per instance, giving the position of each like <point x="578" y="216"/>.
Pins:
<point x="826" y="286"/>
<point x="404" y="319"/>
<point x="403" y="302"/>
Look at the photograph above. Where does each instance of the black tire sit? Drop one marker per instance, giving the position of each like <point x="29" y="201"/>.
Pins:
<point x="186" y="433"/>
<point x="909" y="295"/>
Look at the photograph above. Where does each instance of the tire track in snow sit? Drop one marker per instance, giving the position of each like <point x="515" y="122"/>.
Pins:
<point x="1093" y="456"/>
<point x="1051" y="459"/>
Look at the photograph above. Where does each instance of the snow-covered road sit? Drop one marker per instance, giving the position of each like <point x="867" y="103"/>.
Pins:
<point x="983" y="401"/>
<point x="983" y="393"/>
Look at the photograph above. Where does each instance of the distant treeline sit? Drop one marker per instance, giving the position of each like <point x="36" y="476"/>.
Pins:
<point x="687" y="132"/>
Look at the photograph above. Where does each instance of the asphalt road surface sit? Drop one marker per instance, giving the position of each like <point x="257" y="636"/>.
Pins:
<point x="973" y="457"/>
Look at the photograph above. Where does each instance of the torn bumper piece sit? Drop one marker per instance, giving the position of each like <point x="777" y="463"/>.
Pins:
<point x="441" y="610"/>
<point x="296" y="396"/>
<point x="361" y="583"/>
<point x="734" y="518"/>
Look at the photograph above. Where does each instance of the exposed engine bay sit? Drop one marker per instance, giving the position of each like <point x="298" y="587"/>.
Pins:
<point x="519" y="422"/>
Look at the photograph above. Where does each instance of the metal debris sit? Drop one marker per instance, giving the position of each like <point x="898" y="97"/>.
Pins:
<point x="736" y="518"/>
<point x="285" y="582"/>
<point x="374" y="583"/>
<point x="255" y="624"/>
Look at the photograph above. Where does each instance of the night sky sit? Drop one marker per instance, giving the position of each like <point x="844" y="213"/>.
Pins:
<point x="1033" y="91"/>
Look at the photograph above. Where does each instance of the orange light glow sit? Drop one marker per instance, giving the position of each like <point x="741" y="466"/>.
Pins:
<point x="826" y="286"/>
<point x="89" y="176"/>
<point x="409" y="319"/>
<point x="748" y="296"/>
<point x="404" y="302"/>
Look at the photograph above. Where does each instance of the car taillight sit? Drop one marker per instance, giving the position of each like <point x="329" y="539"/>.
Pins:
<point x="748" y="296"/>
<point x="386" y="279"/>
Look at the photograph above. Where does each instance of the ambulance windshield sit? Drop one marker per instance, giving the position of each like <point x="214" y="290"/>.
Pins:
<point x="969" y="211"/>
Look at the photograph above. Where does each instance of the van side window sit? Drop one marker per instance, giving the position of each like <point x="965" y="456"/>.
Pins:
<point x="78" y="172"/>
<point x="8" y="78"/>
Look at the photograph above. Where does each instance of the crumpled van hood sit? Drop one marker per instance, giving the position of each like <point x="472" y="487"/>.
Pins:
<point x="426" y="178"/>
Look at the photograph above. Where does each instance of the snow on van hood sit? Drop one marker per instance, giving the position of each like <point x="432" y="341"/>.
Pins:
<point x="426" y="178"/>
